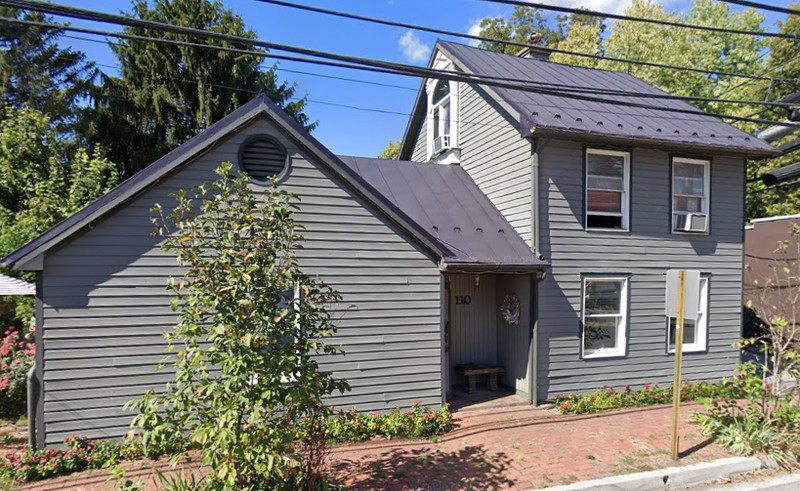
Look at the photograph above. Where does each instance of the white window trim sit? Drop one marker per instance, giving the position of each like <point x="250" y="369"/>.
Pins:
<point x="701" y="337"/>
<point x="706" y="193"/>
<point x="622" y="331"/>
<point x="451" y="155"/>
<point x="626" y="188"/>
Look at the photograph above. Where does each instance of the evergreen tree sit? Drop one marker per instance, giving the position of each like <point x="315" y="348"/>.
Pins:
<point x="35" y="72"/>
<point x="166" y="94"/>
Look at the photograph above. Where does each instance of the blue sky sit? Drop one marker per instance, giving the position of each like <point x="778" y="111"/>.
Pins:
<point x="377" y="113"/>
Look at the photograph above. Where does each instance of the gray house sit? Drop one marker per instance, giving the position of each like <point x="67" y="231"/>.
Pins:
<point x="522" y="230"/>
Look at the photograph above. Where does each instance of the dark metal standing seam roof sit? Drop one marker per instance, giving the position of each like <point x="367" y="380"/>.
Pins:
<point x="612" y="118"/>
<point x="446" y="202"/>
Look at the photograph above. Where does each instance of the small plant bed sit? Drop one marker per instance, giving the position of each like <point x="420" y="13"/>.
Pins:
<point x="420" y="422"/>
<point x="607" y="398"/>
<point x="80" y="454"/>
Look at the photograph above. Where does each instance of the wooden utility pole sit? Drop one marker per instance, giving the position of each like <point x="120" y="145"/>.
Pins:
<point x="676" y="386"/>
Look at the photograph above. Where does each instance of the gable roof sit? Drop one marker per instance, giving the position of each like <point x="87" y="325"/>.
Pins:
<point x="13" y="286"/>
<point x="261" y="105"/>
<point x="610" y="119"/>
<point x="445" y="201"/>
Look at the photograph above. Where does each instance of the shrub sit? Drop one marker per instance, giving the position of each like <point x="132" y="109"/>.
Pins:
<point x="419" y="422"/>
<point x="16" y="358"/>
<point x="651" y="394"/>
<point x="762" y="422"/>
<point x="250" y="328"/>
<point x="78" y="454"/>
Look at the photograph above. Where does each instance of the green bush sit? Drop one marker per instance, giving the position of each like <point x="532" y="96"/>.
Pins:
<point x="419" y="422"/>
<point x="16" y="358"/>
<point x="607" y="398"/>
<point x="760" y="421"/>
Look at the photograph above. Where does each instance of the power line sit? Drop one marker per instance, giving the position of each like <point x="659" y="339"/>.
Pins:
<point x="505" y="42"/>
<point x="278" y="68"/>
<point x="763" y="6"/>
<point x="607" y="15"/>
<point x="352" y="62"/>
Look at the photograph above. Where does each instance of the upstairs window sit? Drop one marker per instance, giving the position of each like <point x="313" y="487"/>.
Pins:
<point x="441" y="117"/>
<point x="607" y="190"/>
<point x="690" y="195"/>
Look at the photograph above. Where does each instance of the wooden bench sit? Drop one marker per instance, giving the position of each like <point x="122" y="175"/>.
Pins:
<point x="471" y="372"/>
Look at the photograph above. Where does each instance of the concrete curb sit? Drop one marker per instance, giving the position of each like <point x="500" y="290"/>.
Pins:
<point x="669" y="478"/>
<point x="780" y="483"/>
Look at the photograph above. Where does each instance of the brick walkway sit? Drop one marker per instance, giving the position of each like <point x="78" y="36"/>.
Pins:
<point x="523" y="448"/>
<point x="511" y="448"/>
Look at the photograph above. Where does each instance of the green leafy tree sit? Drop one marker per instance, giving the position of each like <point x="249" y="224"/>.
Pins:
<point x="783" y="63"/>
<point x="392" y="150"/>
<point x="247" y="383"/>
<point x="43" y="179"/>
<point x="36" y="72"/>
<point x="581" y="34"/>
<point x="166" y="94"/>
<point x="523" y="22"/>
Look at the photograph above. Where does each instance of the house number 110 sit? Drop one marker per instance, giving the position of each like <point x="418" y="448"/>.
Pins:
<point x="463" y="299"/>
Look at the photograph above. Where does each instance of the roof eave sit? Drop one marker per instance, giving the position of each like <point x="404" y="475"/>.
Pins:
<point x="747" y="152"/>
<point x="464" y="267"/>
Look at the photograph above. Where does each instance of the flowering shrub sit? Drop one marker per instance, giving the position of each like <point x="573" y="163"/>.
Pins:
<point x="78" y="454"/>
<point x="650" y="394"/>
<point x="419" y="422"/>
<point x="16" y="358"/>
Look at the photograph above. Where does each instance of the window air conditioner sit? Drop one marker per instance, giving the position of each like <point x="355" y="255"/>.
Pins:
<point x="691" y="222"/>
<point x="441" y="143"/>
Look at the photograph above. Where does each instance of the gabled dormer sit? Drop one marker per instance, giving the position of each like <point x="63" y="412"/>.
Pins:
<point x="442" y="115"/>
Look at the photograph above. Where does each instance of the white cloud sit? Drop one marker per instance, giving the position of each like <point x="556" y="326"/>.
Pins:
<point x="413" y="48"/>
<point x="474" y="30"/>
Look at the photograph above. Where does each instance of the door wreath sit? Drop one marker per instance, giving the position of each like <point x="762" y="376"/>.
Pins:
<point x="510" y="310"/>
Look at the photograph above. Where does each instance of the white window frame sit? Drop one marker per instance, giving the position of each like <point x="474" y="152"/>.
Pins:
<point x="701" y="335"/>
<point x="622" y="331"/>
<point x="450" y="155"/>
<point x="626" y="187"/>
<point x="706" y="199"/>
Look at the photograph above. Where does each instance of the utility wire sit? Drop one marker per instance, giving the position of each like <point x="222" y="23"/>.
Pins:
<point x="371" y="64"/>
<point x="328" y="103"/>
<point x="607" y="15"/>
<point x="763" y="6"/>
<point x="94" y="15"/>
<point x="501" y="41"/>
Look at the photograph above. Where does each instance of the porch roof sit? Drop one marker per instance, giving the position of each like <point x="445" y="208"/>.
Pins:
<point x="445" y="202"/>
<point x="13" y="286"/>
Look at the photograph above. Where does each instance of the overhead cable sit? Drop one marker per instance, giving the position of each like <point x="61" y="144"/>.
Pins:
<point x="381" y="66"/>
<point x="764" y="6"/>
<point x="608" y="15"/>
<point x="506" y="42"/>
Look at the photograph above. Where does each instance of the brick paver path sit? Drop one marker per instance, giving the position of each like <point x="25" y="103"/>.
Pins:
<point x="523" y="448"/>
<point x="511" y="448"/>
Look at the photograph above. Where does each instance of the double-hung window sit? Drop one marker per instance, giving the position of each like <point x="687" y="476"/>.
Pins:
<point x="607" y="190"/>
<point x="441" y="119"/>
<point x="604" y="316"/>
<point x="690" y="195"/>
<point x="695" y="332"/>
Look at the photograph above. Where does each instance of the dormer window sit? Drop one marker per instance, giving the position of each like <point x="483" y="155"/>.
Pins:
<point x="440" y="121"/>
<point x="442" y="115"/>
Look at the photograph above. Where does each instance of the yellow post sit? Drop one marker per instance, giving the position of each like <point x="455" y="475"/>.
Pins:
<point x="676" y="387"/>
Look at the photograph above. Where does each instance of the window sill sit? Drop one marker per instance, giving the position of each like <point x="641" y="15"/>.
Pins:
<point x="688" y="349"/>
<point x="603" y="354"/>
<point x="611" y="230"/>
<point x="681" y="232"/>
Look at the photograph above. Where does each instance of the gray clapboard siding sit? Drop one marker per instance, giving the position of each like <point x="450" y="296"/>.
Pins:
<point x="493" y="154"/>
<point x="513" y="342"/>
<point x="106" y="302"/>
<point x="645" y="254"/>
<point x="420" y="153"/>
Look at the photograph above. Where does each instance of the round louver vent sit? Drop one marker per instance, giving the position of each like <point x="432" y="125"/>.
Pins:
<point x="262" y="158"/>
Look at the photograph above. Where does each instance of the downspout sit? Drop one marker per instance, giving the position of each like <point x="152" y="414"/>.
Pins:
<point x="533" y="369"/>
<point x="33" y="400"/>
